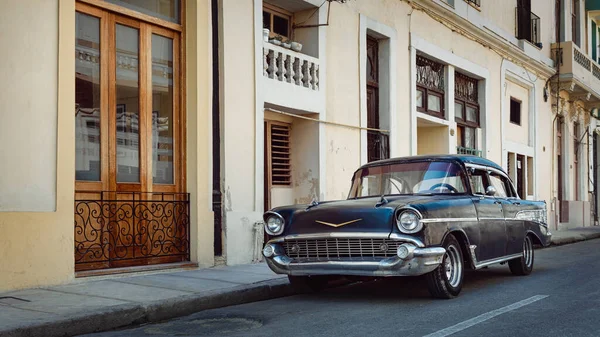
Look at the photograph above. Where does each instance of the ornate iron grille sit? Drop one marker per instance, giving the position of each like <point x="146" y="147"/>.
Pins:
<point x="430" y="74"/>
<point x="468" y="150"/>
<point x="340" y="248"/>
<point x="465" y="88"/>
<point x="476" y="3"/>
<point x="119" y="229"/>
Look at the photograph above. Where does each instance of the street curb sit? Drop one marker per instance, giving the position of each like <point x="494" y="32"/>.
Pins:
<point x="134" y="314"/>
<point x="576" y="238"/>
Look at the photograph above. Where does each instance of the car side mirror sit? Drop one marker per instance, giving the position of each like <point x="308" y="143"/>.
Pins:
<point x="490" y="190"/>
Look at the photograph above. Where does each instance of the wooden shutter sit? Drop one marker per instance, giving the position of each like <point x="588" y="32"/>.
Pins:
<point x="280" y="168"/>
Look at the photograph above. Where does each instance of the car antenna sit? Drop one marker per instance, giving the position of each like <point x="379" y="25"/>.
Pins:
<point x="382" y="201"/>
<point x="313" y="203"/>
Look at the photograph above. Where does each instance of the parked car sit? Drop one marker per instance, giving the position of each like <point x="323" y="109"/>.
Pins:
<point x="421" y="215"/>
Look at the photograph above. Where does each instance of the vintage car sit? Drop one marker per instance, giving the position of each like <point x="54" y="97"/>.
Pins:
<point x="422" y="215"/>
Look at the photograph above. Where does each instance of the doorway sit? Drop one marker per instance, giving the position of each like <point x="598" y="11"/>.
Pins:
<point x="130" y="203"/>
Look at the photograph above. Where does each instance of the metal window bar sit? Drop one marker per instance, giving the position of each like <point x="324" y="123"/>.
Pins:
<point x="476" y="3"/>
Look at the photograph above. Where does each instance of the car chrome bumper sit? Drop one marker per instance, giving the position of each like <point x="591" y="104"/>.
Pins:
<point x="419" y="261"/>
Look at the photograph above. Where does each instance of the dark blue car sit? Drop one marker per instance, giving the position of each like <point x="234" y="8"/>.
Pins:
<point x="421" y="215"/>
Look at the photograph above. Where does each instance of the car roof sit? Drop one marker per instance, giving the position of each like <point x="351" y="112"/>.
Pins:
<point x="461" y="158"/>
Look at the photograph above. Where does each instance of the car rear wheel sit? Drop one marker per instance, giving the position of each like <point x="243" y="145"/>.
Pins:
<point x="305" y="284"/>
<point x="447" y="279"/>
<point x="524" y="264"/>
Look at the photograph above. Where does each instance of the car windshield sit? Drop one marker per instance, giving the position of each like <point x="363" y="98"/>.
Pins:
<point x="427" y="177"/>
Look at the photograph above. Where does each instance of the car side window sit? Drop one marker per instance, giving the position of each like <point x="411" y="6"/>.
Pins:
<point x="477" y="179"/>
<point x="499" y="184"/>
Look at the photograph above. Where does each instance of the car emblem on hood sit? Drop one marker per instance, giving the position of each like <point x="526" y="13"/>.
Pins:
<point x="337" y="225"/>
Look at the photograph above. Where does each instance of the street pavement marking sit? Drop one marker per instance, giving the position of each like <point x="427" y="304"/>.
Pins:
<point x="484" y="317"/>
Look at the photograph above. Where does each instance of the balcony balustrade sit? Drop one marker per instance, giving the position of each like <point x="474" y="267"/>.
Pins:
<point x="579" y="73"/>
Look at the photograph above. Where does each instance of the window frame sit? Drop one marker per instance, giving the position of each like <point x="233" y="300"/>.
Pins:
<point x="278" y="11"/>
<point x="428" y="90"/>
<point x="510" y="115"/>
<point x="110" y="14"/>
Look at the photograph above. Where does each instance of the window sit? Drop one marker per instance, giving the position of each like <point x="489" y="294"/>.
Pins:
<point x="163" y="9"/>
<point x="278" y="21"/>
<point x="408" y="178"/>
<point x="476" y="3"/>
<point x="466" y="110"/>
<point x="278" y="153"/>
<point x="499" y="184"/>
<point x="515" y="111"/>
<point x="128" y="119"/>
<point x="430" y="87"/>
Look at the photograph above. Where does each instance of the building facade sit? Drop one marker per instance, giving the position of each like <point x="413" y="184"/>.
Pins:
<point x="193" y="117"/>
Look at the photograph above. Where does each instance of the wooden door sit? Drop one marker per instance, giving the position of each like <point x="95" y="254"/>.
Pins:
<point x="133" y="209"/>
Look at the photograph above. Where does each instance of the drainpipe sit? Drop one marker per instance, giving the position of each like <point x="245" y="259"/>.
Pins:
<point x="217" y="195"/>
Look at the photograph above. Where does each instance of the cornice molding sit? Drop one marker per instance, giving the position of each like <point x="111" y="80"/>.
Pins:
<point x="499" y="44"/>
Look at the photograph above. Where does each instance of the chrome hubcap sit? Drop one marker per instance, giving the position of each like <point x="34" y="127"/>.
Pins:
<point x="528" y="251"/>
<point x="452" y="266"/>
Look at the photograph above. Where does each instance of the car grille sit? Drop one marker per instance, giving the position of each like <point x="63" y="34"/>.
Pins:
<point x="341" y="248"/>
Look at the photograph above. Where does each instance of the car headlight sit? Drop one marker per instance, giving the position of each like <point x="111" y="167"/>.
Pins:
<point x="274" y="223"/>
<point x="409" y="222"/>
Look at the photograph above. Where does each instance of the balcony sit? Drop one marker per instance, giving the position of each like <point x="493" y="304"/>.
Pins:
<point x="292" y="79"/>
<point x="528" y="26"/>
<point x="475" y="3"/>
<point x="579" y="74"/>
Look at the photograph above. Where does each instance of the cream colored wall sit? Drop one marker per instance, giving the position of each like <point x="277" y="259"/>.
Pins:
<point x="199" y="137"/>
<point x="37" y="247"/>
<point x="238" y="118"/>
<point x="343" y="78"/>
<point x="29" y="106"/>
<point x="514" y="132"/>
<point x="501" y="13"/>
<point x="432" y="140"/>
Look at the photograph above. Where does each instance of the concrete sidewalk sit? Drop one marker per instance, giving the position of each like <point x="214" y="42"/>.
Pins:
<point x="109" y="302"/>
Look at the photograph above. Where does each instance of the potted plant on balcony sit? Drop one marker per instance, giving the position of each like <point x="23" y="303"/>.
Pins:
<point x="276" y="40"/>
<point x="296" y="46"/>
<point x="287" y="43"/>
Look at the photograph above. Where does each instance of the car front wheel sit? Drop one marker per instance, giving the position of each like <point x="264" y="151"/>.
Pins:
<point x="447" y="279"/>
<point x="524" y="264"/>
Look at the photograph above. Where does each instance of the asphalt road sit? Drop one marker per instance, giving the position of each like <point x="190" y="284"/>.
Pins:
<point x="560" y="298"/>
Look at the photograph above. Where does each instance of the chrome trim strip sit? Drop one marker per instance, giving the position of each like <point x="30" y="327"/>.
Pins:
<point x="433" y="220"/>
<point x="497" y="260"/>
<point x="359" y="235"/>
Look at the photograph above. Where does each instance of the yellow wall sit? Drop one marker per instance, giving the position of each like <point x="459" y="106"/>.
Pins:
<point x="199" y="122"/>
<point x="37" y="247"/>
<point x="432" y="140"/>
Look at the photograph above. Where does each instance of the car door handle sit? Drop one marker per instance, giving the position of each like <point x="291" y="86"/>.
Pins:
<point x="516" y="203"/>
<point x="498" y="202"/>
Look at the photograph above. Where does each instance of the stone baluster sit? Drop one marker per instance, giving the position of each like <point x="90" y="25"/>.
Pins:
<point x="281" y="66"/>
<point x="298" y="70"/>
<point x="316" y="77"/>
<point x="273" y="67"/>
<point x="265" y="63"/>
<point x="306" y="74"/>
<point x="292" y="73"/>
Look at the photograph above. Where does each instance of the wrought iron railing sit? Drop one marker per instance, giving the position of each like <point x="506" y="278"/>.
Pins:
<point x="476" y="3"/>
<point x="528" y="26"/>
<point x="378" y="145"/>
<point x="119" y="229"/>
<point x="468" y="150"/>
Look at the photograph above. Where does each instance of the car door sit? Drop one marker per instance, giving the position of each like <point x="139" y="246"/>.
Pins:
<point x="490" y="214"/>
<point x="515" y="231"/>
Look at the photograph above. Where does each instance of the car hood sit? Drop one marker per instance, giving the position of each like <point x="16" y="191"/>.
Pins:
<point x="344" y="216"/>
